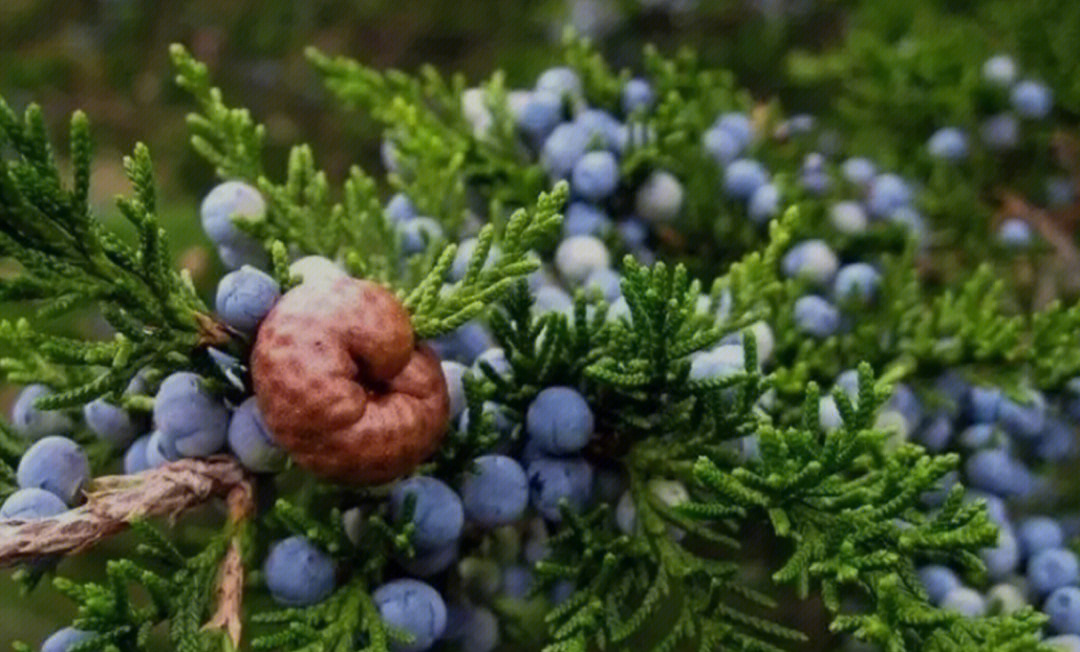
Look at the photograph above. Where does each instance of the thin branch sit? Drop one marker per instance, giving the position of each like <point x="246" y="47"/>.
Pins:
<point x="116" y="500"/>
<point x="230" y="595"/>
<point x="1052" y="230"/>
<point x="230" y="584"/>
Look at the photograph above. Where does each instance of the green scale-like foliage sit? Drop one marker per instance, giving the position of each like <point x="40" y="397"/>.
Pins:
<point x="851" y="508"/>
<point x="844" y="506"/>
<point x="177" y="588"/>
<point x="68" y="259"/>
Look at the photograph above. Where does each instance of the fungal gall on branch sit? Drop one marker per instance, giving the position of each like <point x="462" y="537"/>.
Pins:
<point x="343" y="385"/>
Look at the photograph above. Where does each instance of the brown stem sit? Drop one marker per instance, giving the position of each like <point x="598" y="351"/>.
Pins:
<point x="230" y="595"/>
<point x="1051" y="228"/>
<point x="230" y="585"/>
<point x="114" y="501"/>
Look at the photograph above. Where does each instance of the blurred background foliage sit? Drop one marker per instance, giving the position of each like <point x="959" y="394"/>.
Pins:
<point x="883" y="74"/>
<point x="109" y="56"/>
<point x="882" y="70"/>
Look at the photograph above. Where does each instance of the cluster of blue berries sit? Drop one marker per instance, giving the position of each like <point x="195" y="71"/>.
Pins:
<point x="1026" y="100"/>
<point x="1005" y="440"/>
<point x="859" y="197"/>
<point x="1002" y="438"/>
<point x="516" y="493"/>
<point x="188" y="419"/>
<point x="586" y="146"/>
<point x="493" y="496"/>
<point x="54" y="469"/>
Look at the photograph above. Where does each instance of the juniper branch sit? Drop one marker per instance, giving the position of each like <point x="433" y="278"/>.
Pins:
<point x="862" y="528"/>
<point x="69" y="259"/>
<point x="113" y="502"/>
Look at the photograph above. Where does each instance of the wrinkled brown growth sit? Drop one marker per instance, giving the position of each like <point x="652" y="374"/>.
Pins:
<point x="343" y="386"/>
